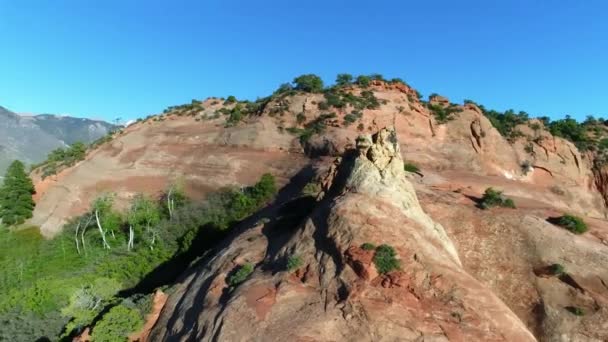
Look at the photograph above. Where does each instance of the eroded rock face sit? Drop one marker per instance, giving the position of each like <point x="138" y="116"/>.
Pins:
<point x="199" y="150"/>
<point x="337" y="294"/>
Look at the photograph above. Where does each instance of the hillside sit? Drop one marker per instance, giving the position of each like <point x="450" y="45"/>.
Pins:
<point x="380" y="225"/>
<point x="31" y="138"/>
<point x="212" y="143"/>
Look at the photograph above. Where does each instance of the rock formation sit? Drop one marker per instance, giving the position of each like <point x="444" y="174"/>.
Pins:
<point x="336" y="292"/>
<point x="199" y="149"/>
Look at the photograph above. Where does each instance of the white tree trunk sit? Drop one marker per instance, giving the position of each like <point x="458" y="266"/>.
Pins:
<point x="131" y="238"/>
<point x="101" y="231"/>
<point x="84" y="229"/>
<point x="76" y="238"/>
<point x="170" y="203"/>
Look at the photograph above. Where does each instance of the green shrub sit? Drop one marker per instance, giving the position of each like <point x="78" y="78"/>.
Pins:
<point x="495" y="198"/>
<point x="117" y="325"/>
<point x="368" y="246"/>
<point x="294" y="262"/>
<point x="316" y="126"/>
<point x="570" y="129"/>
<point x="575" y="310"/>
<point x="409" y="167"/>
<point x="300" y="118"/>
<point x="344" y="79"/>
<point x="242" y="273"/>
<point x="505" y="122"/>
<point x="603" y="144"/>
<point x="312" y="189"/>
<point x="443" y="115"/>
<point x="385" y="259"/>
<point x="557" y="269"/>
<point x="309" y="83"/>
<point x="230" y="99"/>
<point x="363" y="81"/>
<point x="573" y="223"/>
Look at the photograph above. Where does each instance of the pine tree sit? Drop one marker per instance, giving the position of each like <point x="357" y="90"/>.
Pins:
<point x="16" y="203"/>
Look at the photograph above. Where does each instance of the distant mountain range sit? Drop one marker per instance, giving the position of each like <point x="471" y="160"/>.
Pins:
<point x="31" y="138"/>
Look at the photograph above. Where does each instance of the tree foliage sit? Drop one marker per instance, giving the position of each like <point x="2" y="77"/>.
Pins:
<point x="344" y="79"/>
<point x="62" y="287"/>
<point x="117" y="324"/>
<point x="309" y="83"/>
<point x="16" y="203"/>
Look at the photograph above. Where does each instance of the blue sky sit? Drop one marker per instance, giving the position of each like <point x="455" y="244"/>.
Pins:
<point x="123" y="58"/>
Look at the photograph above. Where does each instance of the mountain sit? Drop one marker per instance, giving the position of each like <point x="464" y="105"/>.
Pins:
<point x="336" y="294"/>
<point x="31" y="138"/>
<point x="354" y="247"/>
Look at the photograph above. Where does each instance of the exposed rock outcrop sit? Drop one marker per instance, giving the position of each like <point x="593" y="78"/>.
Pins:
<point x="199" y="150"/>
<point x="336" y="294"/>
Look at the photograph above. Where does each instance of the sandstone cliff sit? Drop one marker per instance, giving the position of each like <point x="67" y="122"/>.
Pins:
<point x="196" y="147"/>
<point x="337" y="294"/>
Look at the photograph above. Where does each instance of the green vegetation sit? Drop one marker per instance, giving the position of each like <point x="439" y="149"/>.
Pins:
<point x="506" y="122"/>
<point x="309" y="83"/>
<point x="495" y="198"/>
<point x="575" y="310"/>
<point x="344" y="80"/>
<point x="117" y="324"/>
<point x="16" y="203"/>
<point x="557" y="269"/>
<point x="570" y="129"/>
<point x="231" y="99"/>
<point x="64" y="283"/>
<point x="368" y="246"/>
<point x="363" y="81"/>
<point x="352" y="117"/>
<point x="573" y="223"/>
<point x="317" y="126"/>
<point x="587" y="135"/>
<point x="340" y="99"/>
<point x="312" y="189"/>
<point x="443" y="114"/>
<point x="409" y="167"/>
<point x="294" y="262"/>
<point x="60" y="158"/>
<point x="242" y="273"/>
<point x="385" y="259"/>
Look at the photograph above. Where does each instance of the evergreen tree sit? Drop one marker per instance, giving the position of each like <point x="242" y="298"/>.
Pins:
<point x="16" y="203"/>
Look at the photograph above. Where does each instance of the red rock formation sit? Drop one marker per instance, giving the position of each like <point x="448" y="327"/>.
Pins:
<point x="430" y="297"/>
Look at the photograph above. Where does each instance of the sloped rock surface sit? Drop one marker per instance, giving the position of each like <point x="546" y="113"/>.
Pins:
<point x="336" y="294"/>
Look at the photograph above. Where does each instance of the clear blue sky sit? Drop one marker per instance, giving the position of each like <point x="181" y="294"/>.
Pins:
<point x="132" y="58"/>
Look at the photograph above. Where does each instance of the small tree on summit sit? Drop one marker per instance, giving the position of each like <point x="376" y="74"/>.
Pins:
<point x="16" y="203"/>
<point x="309" y="83"/>
<point x="344" y="79"/>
